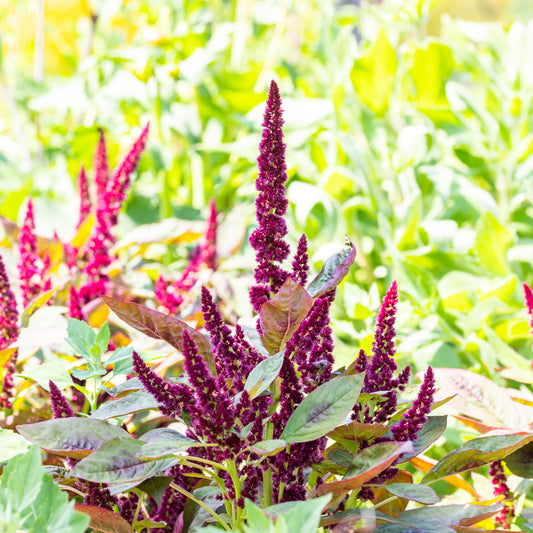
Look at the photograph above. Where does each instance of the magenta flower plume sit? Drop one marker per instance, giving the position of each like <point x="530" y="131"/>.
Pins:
<point x="209" y="247"/>
<point x="101" y="167"/>
<point x="165" y="298"/>
<point x="300" y="264"/>
<point x="529" y="302"/>
<point x="74" y="306"/>
<point x="118" y="184"/>
<point x="415" y="418"/>
<point x="60" y="406"/>
<point x="30" y="274"/>
<point x="85" y="199"/>
<point x="268" y="240"/>
<point x="171" y="396"/>
<point x="9" y="329"/>
<point x="9" y="332"/>
<point x="499" y="480"/>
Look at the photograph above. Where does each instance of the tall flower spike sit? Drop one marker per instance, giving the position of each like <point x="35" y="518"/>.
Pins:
<point x="29" y="273"/>
<point x="9" y="329"/>
<point x="499" y="480"/>
<point x="85" y="199"/>
<point x="529" y="302"/>
<point x="172" y="397"/>
<point x="415" y="418"/>
<point x="60" y="406"/>
<point x="74" y="306"/>
<point x="165" y="298"/>
<point x="209" y="248"/>
<point x="271" y="204"/>
<point x="300" y="264"/>
<point x="100" y="167"/>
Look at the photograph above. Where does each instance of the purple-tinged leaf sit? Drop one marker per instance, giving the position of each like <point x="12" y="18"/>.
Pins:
<point x="520" y="463"/>
<point x="268" y="447"/>
<point x="349" y="434"/>
<point x="413" y="492"/>
<point x="162" y="442"/>
<point x="324" y="409"/>
<point x="492" y="446"/>
<point x="116" y="461"/>
<point x="451" y="515"/>
<point x="71" y="437"/>
<point x="280" y="317"/>
<point x="366" y="465"/>
<point x="132" y="403"/>
<point x="104" y="520"/>
<point x="432" y="430"/>
<point x="160" y="326"/>
<point x="263" y="375"/>
<point x="128" y="386"/>
<point x="334" y="270"/>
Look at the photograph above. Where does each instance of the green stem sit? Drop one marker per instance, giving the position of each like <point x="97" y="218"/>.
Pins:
<point x="201" y="504"/>
<point x="237" y="515"/>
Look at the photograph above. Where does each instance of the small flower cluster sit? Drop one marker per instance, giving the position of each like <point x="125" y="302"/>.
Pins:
<point x="529" y="303"/>
<point x="9" y="332"/>
<point x="170" y="296"/>
<point x="499" y="480"/>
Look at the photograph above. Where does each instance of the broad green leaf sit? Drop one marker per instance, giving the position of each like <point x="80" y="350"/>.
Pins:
<point x="432" y="430"/>
<point x="414" y="492"/>
<point x="492" y="242"/>
<point x="71" y="437"/>
<point x="323" y="409"/>
<point x="132" y="403"/>
<point x="129" y="385"/>
<point x="116" y="461"/>
<point x="520" y="462"/>
<point x="268" y="447"/>
<point x="492" y="446"/>
<point x="257" y="520"/>
<point x="104" y="520"/>
<point x="81" y="337"/>
<point x="155" y="486"/>
<point x="373" y="74"/>
<point x="280" y="317"/>
<point x="302" y="516"/>
<point x="102" y="338"/>
<point x="365" y="466"/>
<point x="334" y="270"/>
<point x="161" y="442"/>
<point x="55" y="371"/>
<point x="263" y="375"/>
<point x="11" y="444"/>
<point x="160" y="326"/>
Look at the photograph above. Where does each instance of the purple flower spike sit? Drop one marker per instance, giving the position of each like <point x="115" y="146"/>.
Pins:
<point x="29" y="272"/>
<point x="74" y="306"/>
<point x="101" y="167"/>
<point x="209" y="249"/>
<point x="165" y="298"/>
<point x="529" y="302"/>
<point x="9" y="329"/>
<point x="499" y="480"/>
<point x="60" y="406"/>
<point x="171" y="396"/>
<point x="85" y="199"/>
<point x="361" y="363"/>
<point x="271" y="204"/>
<point x="213" y="411"/>
<point x="300" y="264"/>
<point x="415" y="418"/>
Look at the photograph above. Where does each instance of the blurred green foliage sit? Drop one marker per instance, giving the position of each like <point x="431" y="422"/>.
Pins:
<point x="407" y="130"/>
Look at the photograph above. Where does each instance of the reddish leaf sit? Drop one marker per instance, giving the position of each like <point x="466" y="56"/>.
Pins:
<point x="334" y="270"/>
<point x="492" y="446"/>
<point x="104" y="520"/>
<point x="397" y="505"/>
<point x="366" y="465"/>
<point x="160" y="326"/>
<point x="478" y="426"/>
<point x="349" y="434"/>
<point x="280" y="317"/>
<point x="71" y="437"/>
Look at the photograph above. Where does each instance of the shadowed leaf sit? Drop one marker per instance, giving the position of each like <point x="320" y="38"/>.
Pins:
<point x="132" y="403"/>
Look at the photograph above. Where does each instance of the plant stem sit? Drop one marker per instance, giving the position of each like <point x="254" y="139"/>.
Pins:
<point x="237" y="516"/>
<point x="201" y="504"/>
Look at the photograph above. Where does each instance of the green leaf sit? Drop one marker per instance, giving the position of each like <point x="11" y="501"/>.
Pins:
<point x="334" y="270"/>
<point x="520" y="462"/>
<point x="81" y="337"/>
<point x="492" y="446"/>
<point x="11" y="444"/>
<point x="54" y="371"/>
<point x="492" y="242"/>
<point x="129" y="385"/>
<point x="116" y="461"/>
<point x="155" y="487"/>
<point x="280" y="317"/>
<point x="323" y="409"/>
<point x="416" y="493"/>
<point x="132" y="403"/>
<point x="263" y="375"/>
<point x="160" y="326"/>
<point x="71" y="437"/>
<point x="432" y="430"/>
<point x="506" y="355"/>
<point x="349" y="434"/>
<point x="161" y="442"/>
<point x="102" y="339"/>
<point x="268" y="447"/>
<point x="373" y="74"/>
<point x="302" y="516"/>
